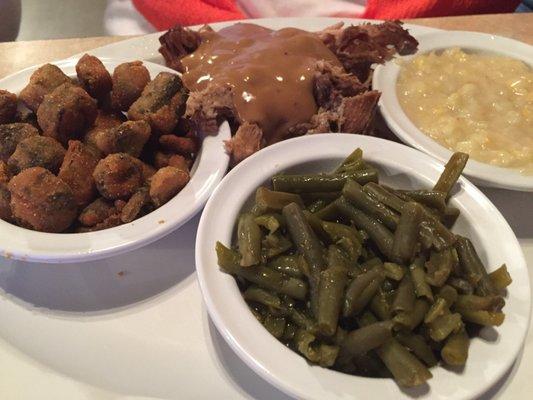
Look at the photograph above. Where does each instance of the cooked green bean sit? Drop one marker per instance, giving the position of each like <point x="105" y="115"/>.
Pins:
<point x="355" y="158"/>
<point x="452" y="171"/>
<point x="367" y="338"/>
<point x="429" y="198"/>
<point x="272" y="222"/>
<point x="380" y="305"/>
<point x="441" y="236"/>
<point x="461" y="285"/>
<point x="274" y="244"/>
<point x="289" y="332"/>
<point x="378" y="233"/>
<point x="455" y="351"/>
<point x="405" y="296"/>
<point x="275" y="325"/>
<point x="345" y="237"/>
<point x="308" y="245"/>
<point x="327" y="197"/>
<point x="321" y="354"/>
<point x="449" y="216"/>
<point x="443" y="326"/>
<point x="407" y="370"/>
<point x="418" y="345"/>
<point x="473" y="268"/>
<point x="316" y="225"/>
<point x="361" y="290"/>
<point x="406" y="234"/>
<point x="321" y="183"/>
<point x="393" y="271"/>
<point x="266" y="199"/>
<point x="249" y="240"/>
<point x="317" y="205"/>
<point x="331" y="295"/>
<point x="369" y="364"/>
<point x="481" y="317"/>
<point x="500" y="278"/>
<point x="440" y="265"/>
<point x="437" y="309"/>
<point x="286" y="264"/>
<point x="418" y="275"/>
<point x="410" y="320"/>
<point x="473" y="302"/>
<point x="382" y="195"/>
<point x="329" y="212"/>
<point x="449" y="294"/>
<point x="258" y="295"/>
<point x="354" y="193"/>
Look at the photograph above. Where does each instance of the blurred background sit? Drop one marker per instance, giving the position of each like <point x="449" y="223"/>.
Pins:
<point x="52" y="19"/>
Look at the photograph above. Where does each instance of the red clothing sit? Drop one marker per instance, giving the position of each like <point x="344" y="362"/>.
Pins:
<point x="164" y="14"/>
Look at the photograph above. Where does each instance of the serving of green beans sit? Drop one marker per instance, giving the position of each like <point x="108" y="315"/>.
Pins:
<point x="364" y="278"/>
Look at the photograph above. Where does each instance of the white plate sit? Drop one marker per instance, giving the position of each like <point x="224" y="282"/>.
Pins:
<point x="209" y="167"/>
<point x="82" y="331"/>
<point x="384" y="80"/>
<point x="400" y="166"/>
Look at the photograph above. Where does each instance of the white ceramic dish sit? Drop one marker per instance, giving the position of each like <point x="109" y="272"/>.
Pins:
<point x="384" y="80"/>
<point x="209" y="168"/>
<point x="490" y="355"/>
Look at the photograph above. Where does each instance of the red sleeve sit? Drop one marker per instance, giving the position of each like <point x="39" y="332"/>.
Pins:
<point x="395" y="9"/>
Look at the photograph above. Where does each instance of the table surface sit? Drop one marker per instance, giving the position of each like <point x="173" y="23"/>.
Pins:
<point x="513" y="205"/>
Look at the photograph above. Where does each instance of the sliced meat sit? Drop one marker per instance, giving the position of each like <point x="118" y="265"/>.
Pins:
<point x="247" y="140"/>
<point x="176" y="43"/>
<point x="207" y="108"/>
<point x="357" y="113"/>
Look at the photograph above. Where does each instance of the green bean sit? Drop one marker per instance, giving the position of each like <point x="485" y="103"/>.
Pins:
<point x="443" y="326"/>
<point x="327" y="197"/>
<point x="500" y="278"/>
<point x="316" y="224"/>
<point x="286" y="264"/>
<point x="355" y="158"/>
<point x="448" y="293"/>
<point x="258" y="295"/>
<point x="317" y="205"/>
<point x="406" y="234"/>
<point x="441" y="236"/>
<point x="455" y="351"/>
<point x="367" y="338"/>
<point x="275" y="244"/>
<point x="321" y="354"/>
<point x="321" y="183"/>
<point x="330" y="295"/>
<point x="410" y="320"/>
<point x="275" y="325"/>
<point x="404" y="298"/>
<point x="429" y="198"/>
<point x="473" y="302"/>
<point x="384" y="196"/>
<point x="481" y="317"/>
<point x="452" y="171"/>
<point x="370" y="365"/>
<point x="377" y="232"/>
<point x="308" y="245"/>
<point x="406" y="369"/>
<point x="266" y="199"/>
<point x="329" y="212"/>
<point x="393" y="271"/>
<point x="440" y="265"/>
<point x="418" y="275"/>
<point x="461" y="285"/>
<point x="380" y="305"/>
<point x="371" y="263"/>
<point x="437" y="309"/>
<point x="271" y="222"/>
<point x="354" y="193"/>
<point x="345" y="237"/>
<point x="249" y="240"/>
<point x="417" y="344"/>
<point x="227" y="259"/>
<point x="366" y="318"/>
<point x="473" y="268"/>
<point x="449" y="216"/>
<point x="361" y="290"/>
<point x="289" y="332"/>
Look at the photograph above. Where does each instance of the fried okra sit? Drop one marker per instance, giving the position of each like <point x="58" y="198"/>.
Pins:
<point x="42" y="201"/>
<point x="11" y="135"/>
<point x="77" y="171"/>
<point x="166" y="183"/>
<point x="43" y="81"/>
<point x="8" y="107"/>
<point x="93" y="76"/>
<point x="118" y="176"/>
<point x="104" y="120"/>
<point x="97" y="212"/>
<point x="129" y="137"/>
<point x="37" y="151"/>
<point x="129" y="80"/>
<point x="161" y="103"/>
<point x="5" y="207"/>
<point x="66" y="112"/>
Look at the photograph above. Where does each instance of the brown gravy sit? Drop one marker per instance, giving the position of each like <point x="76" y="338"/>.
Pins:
<point x="271" y="73"/>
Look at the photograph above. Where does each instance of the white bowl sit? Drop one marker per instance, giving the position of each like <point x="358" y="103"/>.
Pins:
<point x="208" y="169"/>
<point x="384" y="80"/>
<point x="490" y="356"/>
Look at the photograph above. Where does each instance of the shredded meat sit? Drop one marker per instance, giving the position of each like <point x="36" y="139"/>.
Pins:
<point x="247" y="140"/>
<point x="176" y="43"/>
